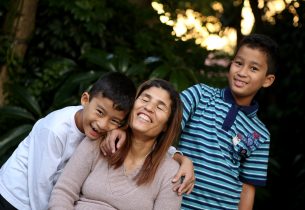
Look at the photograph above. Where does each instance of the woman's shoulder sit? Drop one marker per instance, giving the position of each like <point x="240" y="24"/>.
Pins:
<point x="89" y="145"/>
<point x="169" y="165"/>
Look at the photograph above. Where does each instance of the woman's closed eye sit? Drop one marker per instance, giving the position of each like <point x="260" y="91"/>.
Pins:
<point x="144" y="99"/>
<point x="162" y="107"/>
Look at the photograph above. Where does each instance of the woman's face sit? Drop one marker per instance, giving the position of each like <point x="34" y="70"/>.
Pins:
<point x="150" y="113"/>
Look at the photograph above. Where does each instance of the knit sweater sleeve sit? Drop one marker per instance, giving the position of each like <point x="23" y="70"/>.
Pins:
<point x="69" y="184"/>
<point x="167" y="199"/>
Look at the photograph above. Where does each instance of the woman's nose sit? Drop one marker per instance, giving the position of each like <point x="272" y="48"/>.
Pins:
<point x="150" y="106"/>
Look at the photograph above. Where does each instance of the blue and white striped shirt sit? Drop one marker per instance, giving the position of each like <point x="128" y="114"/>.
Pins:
<point x="227" y="143"/>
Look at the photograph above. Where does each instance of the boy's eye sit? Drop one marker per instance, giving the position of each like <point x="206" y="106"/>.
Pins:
<point x="253" y="68"/>
<point x="238" y="63"/>
<point x="100" y="112"/>
<point x="116" y="123"/>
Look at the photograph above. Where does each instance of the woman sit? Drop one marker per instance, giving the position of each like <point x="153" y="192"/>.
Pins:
<point x="139" y="175"/>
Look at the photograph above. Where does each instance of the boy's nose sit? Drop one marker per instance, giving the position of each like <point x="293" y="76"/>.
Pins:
<point x="243" y="71"/>
<point x="102" y="124"/>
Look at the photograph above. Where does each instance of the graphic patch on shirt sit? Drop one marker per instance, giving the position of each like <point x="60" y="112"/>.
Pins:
<point x="243" y="146"/>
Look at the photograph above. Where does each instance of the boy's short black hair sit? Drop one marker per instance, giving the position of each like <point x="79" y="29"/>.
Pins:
<point x="265" y="44"/>
<point x="118" y="88"/>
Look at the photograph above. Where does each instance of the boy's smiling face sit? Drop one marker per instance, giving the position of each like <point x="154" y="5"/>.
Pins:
<point x="98" y="116"/>
<point x="248" y="73"/>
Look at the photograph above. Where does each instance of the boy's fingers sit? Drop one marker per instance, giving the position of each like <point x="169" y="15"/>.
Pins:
<point x="111" y="145"/>
<point x="191" y="189"/>
<point x="176" y="187"/>
<point x="102" y="148"/>
<point x="176" y="178"/>
<point x="103" y="151"/>
<point x="186" y="186"/>
<point x="119" y="144"/>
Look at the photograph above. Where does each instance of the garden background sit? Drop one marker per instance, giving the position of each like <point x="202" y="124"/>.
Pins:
<point x="50" y="51"/>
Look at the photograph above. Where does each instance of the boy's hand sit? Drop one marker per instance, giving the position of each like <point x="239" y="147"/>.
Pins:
<point x="185" y="173"/>
<point x="113" y="141"/>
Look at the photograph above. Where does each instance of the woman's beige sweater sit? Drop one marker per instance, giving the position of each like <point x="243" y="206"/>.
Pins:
<point x="87" y="182"/>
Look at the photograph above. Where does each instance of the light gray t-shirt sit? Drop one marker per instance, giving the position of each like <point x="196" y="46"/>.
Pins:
<point x="28" y="176"/>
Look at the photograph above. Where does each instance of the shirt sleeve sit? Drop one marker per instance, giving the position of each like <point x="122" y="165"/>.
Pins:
<point x="69" y="184"/>
<point x="190" y="98"/>
<point x="253" y="169"/>
<point x="45" y="151"/>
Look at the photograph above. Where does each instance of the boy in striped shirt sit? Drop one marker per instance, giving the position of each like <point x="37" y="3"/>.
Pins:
<point x="221" y="133"/>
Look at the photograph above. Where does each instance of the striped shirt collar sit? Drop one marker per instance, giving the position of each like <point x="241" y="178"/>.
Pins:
<point x="250" y="111"/>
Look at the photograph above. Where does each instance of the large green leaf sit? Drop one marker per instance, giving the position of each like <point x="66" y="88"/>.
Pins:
<point x="180" y="79"/>
<point x="73" y="82"/>
<point x="13" y="112"/>
<point x="135" y="70"/>
<point x="161" y="72"/>
<point x="99" y="58"/>
<point x="13" y="137"/>
<point x="25" y="98"/>
<point x="121" y="60"/>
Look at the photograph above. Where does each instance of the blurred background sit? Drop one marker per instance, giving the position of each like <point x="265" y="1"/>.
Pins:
<point x="51" y="51"/>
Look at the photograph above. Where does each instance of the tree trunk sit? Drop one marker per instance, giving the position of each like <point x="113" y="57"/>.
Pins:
<point x="258" y="13"/>
<point x="19" y="26"/>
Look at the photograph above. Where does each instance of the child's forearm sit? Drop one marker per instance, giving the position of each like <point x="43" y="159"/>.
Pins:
<point x="178" y="157"/>
<point x="247" y="197"/>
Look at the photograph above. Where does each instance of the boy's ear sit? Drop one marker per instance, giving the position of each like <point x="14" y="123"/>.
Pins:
<point x="269" y="80"/>
<point x="85" y="98"/>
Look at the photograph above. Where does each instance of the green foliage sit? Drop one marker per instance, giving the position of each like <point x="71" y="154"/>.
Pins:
<point x="22" y="118"/>
<point x="77" y="41"/>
